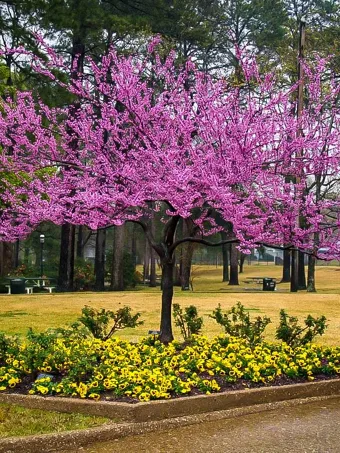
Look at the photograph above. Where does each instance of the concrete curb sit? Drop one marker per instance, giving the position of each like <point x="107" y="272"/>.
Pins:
<point x="158" y="415"/>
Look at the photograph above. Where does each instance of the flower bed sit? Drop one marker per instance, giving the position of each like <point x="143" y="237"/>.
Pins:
<point x="49" y="364"/>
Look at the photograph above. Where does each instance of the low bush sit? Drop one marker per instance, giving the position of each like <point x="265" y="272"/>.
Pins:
<point x="188" y="321"/>
<point x="237" y="323"/>
<point x="104" y="323"/>
<point x="83" y="275"/>
<point x="294" y="334"/>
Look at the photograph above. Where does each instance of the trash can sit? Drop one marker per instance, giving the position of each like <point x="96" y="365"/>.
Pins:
<point x="269" y="284"/>
<point x="18" y="286"/>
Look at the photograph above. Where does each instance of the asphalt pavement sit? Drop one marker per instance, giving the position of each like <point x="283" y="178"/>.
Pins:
<point x="301" y="428"/>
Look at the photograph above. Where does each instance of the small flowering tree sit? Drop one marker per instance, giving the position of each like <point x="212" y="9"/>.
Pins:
<point x="149" y="136"/>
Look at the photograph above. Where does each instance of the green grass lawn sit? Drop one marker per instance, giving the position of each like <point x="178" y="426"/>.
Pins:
<point x="19" y="421"/>
<point x="40" y="311"/>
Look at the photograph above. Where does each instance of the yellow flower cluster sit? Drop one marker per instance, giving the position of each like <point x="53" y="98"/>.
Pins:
<point x="9" y="378"/>
<point x="89" y="368"/>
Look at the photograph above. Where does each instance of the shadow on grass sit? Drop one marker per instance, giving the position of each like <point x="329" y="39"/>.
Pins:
<point x="13" y="314"/>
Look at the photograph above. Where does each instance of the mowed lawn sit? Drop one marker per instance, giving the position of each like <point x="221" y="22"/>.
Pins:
<point x="41" y="311"/>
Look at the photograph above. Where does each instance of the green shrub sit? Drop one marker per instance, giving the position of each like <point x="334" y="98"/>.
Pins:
<point x="188" y="321"/>
<point x="23" y="271"/>
<point x="104" y="323"/>
<point x="83" y="275"/>
<point x="8" y="345"/>
<point x="295" y="335"/>
<point x="237" y="323"/>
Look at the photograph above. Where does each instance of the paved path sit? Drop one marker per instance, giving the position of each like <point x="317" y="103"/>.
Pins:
<point x="312" y="427"/>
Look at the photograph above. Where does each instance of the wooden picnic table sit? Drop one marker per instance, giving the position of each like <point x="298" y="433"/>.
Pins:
<point x="33" y="282"/>
<point x="260" y="279"/>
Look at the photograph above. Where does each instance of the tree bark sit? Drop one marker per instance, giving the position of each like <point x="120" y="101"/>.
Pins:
<point x="242" y="260"/>
<point x="301" y="271"/>
<point x="166" y="335"/>
<point x="311" y="288"/>
<point x="117" y="276"/>
<point x="66" y="262"/>
<point x="286" y="267"/>
<point x="80" y="242"/>
<point x="134" y="245"/>
<point x="146" y="261"/>
<point x="294" y="279"/>
<point x="187" y="252"/>
<point x="225" y="257"/>
<point x="233" y="281"/>
<point x="311" y="274"/>
<point x="6" y="258"/>
<point x="185" y="265"/>
<point x="99" y="262"/>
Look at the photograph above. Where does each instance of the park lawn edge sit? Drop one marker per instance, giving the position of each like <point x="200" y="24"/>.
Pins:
<point x="159" y="415"/>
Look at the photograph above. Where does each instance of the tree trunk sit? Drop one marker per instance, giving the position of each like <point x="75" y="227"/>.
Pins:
<point x="152" y="282"/>
<point x="146" y="261"/>
<point x="166" y="335"/>
<point x="286" y="267"/>
<point x="185" y="265"/>
<point x="99" y="262"/>
<point x="80" y="242"/>
<point x="294" y="280"/>
<point x="16" y="253"/>
<point x="66" y="263"/>
<point x="311" y="274"/>
<point x="225" y="257"/>
<point x="301" y="271"/>
<point x="134" y="246"/>
<point x="6" y="258"/>
<point x="242" y="260"/>
<point x="233" y="265"/>
<point x="117" y="275"/>
<point x="26" y="256"/>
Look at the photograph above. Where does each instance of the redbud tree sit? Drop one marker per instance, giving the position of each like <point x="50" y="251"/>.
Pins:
<point x="148" y="136"/>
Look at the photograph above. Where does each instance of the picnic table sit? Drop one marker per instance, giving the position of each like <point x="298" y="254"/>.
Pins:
<point x="268" y="283"/>
<point x="28" y="283"/>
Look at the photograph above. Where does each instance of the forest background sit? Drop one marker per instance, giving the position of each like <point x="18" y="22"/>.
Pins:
<point x="208" y="32"/>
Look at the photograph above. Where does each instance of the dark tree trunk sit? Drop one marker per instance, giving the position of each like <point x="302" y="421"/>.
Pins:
<point x="146" y="261"/>
<point x="225" y="257"/>
<point x="99" y="262"/>
<point x="152" y="282"/>
<point x="134" y="246"/>
<point x="233" y="266"/>
<point x="187" y="252"/>
<point x="301" y="271"/>
<point x="166" y="335"/>
<point x="16" y="253"/>
<point x="117" y="275"/>
<point x="286" y="267"/>
<point x="311" y="274"/>
<point x="242" y="260"/>
<point x="26" y="255"/>
<point x="66" y="263"/>
<point x="294" y="280"/>
<point x="80" y="242"/>
<point x="6" y="258"/>
<point x="185" y="265"/>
